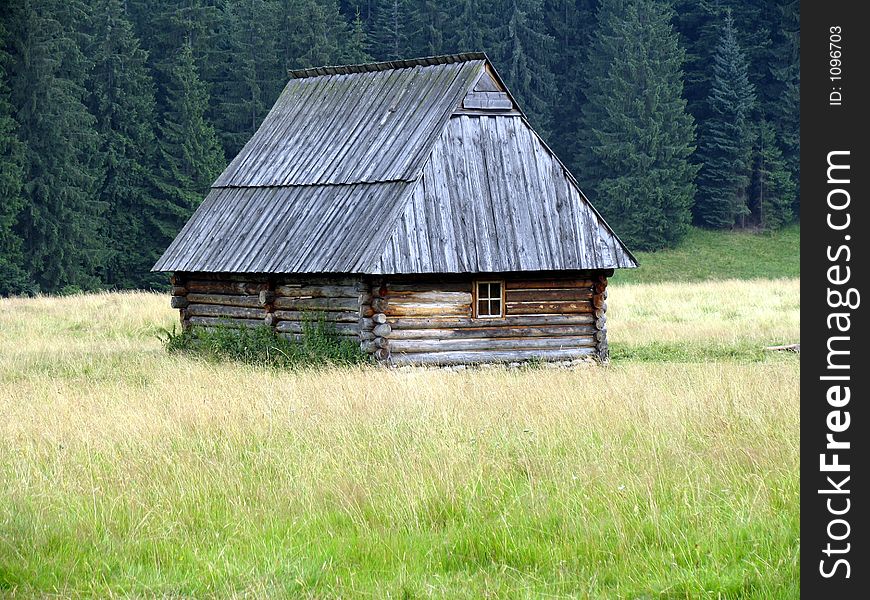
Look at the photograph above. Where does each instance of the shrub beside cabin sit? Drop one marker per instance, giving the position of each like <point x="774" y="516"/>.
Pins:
<point x="412" y="204"/>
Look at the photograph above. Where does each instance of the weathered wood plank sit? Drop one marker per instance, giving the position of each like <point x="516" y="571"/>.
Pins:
<point x="548" y="308"/>
<point x="463" y="322"/>
<point x="486" y="356"/>
<point x="333" y="316"/>
<point x="317" y="291"/>
<point x="424" y="309"/>
<point x="317" y="304"/>
<point x="543" y="284"/>
<point x="221" y="322"/>
<point x="232" y="312"/>
<point x="489" y="343"/>
<point x="224" y="300"/>
<point x="430" y="296"/>
<point x="225" y="287"/>
<point x="487" y="100"/>
<point x="494" y="332"/>
<point x="548" y="295"/>
<point x="298" y="327"/>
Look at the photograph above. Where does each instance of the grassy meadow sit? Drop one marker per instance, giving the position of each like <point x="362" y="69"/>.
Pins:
<point x="672" y="473"/>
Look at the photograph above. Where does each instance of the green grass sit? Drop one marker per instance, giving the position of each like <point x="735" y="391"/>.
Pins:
<point x="674" y="473"/>
<point x="706" y="255"/>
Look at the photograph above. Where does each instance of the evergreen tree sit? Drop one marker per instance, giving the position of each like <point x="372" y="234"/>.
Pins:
<point x="122" y="100"/>
<point x="639" y="133"/>
<point x="251" y="75"/>
<point x="725" y="145"/>
<point x="13" y="279"/>
<point x="773" y="188"/>
<point x="469" y="30"/>
<point x="572" y="24"/>
<point x="60" y="223"/>
<point x="784" y="107"/>
<point x="388" y="37"/>
<point x="313" y="33"/>
<point x="190" y="157"/>
<point x="355" y="51"/>
<point x="521" y="50"/>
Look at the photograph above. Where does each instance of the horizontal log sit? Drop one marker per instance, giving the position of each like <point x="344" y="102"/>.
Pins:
<point x="364" y="298"/>
<point x="382" y="342"/>
<point x="488" y="343"/>
<point x="317" y="291"/>
<point x="379" y="318"/>
<point x="309" y="280"/>
<point x="298" y="337"/>
<point x="548" y="308"/>
<point x="366" y="324"/>
<point x="232" y="312"/>
<point x="487" y="356"/>
<point x="599" y="287"/>
<point x="547" y="284"/>
<point x="178" y="302"/>
<point x="382" y="353"/>
<point x="493" y="332"/>
<point x="464" y="286"/>
<point x="298" y="327"/>
<point x="224" y="300"/>
<point x="601" y="323"/>
<point x="598" y="301"/>
<point x="270" y="319"/>
<point x="315" y="304"/>
<point x="177" y="280"/>
<point x="178" y="290"/>
<point x="572" y="295"/>
<point x="368" y="346"/>
<point x="333" y="316"/>
<point x="600" y="312"/>
<point x="418" y="309"/>
<point x="219" y="322"/>
<point x="510" y="321"/>
<point x="382" y="330"/>
<point x="379" y="304"/>
<point x="600" y="335"/>
<point x="366" y="310"/>
<point x="430" y="297"/>
<point x="366" y="335"/>
<point x="225" y="287"/>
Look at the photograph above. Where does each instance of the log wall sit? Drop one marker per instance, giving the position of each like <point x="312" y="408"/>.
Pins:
<point x="420" y="320"/>
<point x="280" y="302"/>
<point x="548" y="317"/>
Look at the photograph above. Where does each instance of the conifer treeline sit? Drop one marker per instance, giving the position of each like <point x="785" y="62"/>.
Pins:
<point x="116" y="115"/>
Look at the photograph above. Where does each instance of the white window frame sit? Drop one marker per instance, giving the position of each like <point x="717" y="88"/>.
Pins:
<point x="489" y="298"/>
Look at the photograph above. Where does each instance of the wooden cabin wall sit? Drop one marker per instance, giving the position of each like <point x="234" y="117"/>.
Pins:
<point x="281" y="302"/>
<point x="547" y="317"/>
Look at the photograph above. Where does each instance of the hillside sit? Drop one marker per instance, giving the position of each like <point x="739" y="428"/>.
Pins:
<point x="706" y="255"/>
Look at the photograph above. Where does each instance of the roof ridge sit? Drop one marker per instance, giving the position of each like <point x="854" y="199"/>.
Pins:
<point x="424" y="61"/>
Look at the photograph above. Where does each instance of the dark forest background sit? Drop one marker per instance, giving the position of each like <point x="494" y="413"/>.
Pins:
<point x="116" y="115"/>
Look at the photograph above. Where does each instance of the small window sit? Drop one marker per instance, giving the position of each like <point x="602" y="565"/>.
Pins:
<point x="489" y="303"/>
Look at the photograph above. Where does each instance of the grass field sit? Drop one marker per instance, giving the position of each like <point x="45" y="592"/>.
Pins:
<point x="706" y="255"/>
<point x="672" y="473"/>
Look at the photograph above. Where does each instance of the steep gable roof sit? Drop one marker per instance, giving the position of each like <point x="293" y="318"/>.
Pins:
<point x="356" y="168"/>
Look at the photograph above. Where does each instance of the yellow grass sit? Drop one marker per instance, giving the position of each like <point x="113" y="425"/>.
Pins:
<point x="126" y="471"/>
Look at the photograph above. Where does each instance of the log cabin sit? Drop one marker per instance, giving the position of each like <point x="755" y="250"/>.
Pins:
<point x="412" y="204"/>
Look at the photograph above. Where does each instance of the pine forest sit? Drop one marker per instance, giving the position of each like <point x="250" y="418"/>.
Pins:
<point x="117" y="115"/>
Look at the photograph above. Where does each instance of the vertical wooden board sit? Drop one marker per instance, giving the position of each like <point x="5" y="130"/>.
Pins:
<point x="479" y="194"/>
<point x="499" y="196"/>
<point x="529" y="184"/>
<point x="455" y="176"/>
<point x="441" y="225"/>
<point x="547" y="209"/>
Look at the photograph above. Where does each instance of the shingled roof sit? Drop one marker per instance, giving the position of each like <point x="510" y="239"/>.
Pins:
<point x="396" y="167"/>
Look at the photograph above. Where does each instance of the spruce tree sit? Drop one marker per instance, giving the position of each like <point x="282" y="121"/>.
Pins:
<point x="522" y="50"/>
<point x="13" y="279"/>
<point x="388" y="37"/>
<point x="60" y="223"/>
<point x="639" y="133"/>
<point x="774" y="189"/>
<point x="190" y="157"/>
<point x="725" y="144"/>
<point x="122" y="100"/>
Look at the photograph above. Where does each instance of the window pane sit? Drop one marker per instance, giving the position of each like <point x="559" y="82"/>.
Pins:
<point x="482" y="308"/>
<point x="495" y="307"/>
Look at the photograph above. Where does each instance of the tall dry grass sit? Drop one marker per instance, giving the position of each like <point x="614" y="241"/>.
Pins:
<point x="125" y="471"/>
